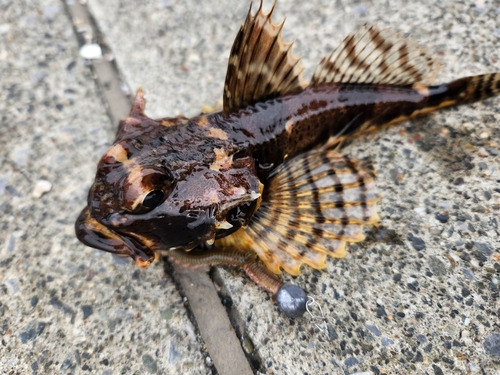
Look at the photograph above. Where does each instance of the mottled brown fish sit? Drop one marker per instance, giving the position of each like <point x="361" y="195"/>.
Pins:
<point x="258" y="185"/>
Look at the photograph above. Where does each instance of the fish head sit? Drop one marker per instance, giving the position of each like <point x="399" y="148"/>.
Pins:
<point x="163" y="186"/>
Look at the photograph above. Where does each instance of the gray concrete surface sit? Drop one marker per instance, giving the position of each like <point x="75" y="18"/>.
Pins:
<point x="421" y="295"/>
<point x="65" y="308"/>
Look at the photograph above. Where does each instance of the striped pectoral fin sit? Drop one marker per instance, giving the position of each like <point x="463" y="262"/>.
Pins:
<point x="313" y="205"/>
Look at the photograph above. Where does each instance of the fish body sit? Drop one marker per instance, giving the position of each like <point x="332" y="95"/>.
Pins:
<point x="260" y="177"/>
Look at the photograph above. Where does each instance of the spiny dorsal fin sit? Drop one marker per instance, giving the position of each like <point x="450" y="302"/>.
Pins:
<point x="312" y="206"/>
<point x="372" y="56"/>
<point x="139" y="104"/>
<point x="261" y="64"/>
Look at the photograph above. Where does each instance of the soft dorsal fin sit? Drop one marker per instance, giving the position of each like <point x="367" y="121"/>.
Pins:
<point x="373" y="56"/>
<point x="261" y="64"/>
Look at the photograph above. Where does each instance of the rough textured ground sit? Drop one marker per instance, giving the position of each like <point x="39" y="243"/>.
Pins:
<point x="421" y="295"/>
<point x="65" y="308"/>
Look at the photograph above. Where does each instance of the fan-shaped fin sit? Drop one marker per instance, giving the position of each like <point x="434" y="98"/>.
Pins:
<point x="312" y="206"/>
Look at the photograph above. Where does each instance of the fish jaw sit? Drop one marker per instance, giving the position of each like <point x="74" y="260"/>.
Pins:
<point x="94" y="234"/>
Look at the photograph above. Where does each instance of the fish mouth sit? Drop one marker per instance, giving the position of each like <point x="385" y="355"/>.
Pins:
<point x="237" y="212"/>
<point x="118" y="233"/>
<point x="94" y="234"/>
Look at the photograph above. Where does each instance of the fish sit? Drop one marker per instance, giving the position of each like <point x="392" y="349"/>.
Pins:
<point x="262" y="184"/>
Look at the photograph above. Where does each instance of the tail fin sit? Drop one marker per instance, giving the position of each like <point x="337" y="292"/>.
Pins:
<point x="461" y="91"/>
<point x="477" y="87"/>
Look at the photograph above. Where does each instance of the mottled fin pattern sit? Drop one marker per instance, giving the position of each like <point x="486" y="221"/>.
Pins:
<point x="372" y="56"/>
<point x="312" y="206"/>
<point x="261" y="64"/>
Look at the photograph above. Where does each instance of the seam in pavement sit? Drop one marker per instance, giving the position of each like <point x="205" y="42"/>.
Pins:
<point x="210" y="315"/>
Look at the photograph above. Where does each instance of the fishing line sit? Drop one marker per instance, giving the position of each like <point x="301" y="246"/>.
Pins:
<point x="338" y="137"/>
<point x="312" y="304"/>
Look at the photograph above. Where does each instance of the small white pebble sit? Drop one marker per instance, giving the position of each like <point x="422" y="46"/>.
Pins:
<point x="468" y="126"/>
<point x="194" y="57"/>
<point x="419" y="210"/>
<point x="124" y="89"/>
<point x="91" y="51"/>
<point x="12" y="362"/>
<point x="41" y="187"/>
<point x="484" y="135"/>
<point x="482" y="153"/>
<point x="445" y="205"/>
<point x="190" y="332"/>
<point x="4" y="28"/>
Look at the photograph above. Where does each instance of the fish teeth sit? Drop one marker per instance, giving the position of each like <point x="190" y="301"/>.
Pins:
<point x="254" y="195"/>
<point x="223" y="225"/>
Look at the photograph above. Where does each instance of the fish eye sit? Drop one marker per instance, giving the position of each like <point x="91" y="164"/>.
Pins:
<point x="153" y="199"/>
<point x="146" y="188"/>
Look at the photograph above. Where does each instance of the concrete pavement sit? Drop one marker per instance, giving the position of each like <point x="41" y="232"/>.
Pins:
<point x="421" y="295"/>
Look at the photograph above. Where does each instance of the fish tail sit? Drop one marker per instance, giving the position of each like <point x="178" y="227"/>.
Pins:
<point x="481" y="87"/>
<point x="464" y="90"/>
<point x="383" y="63"/>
